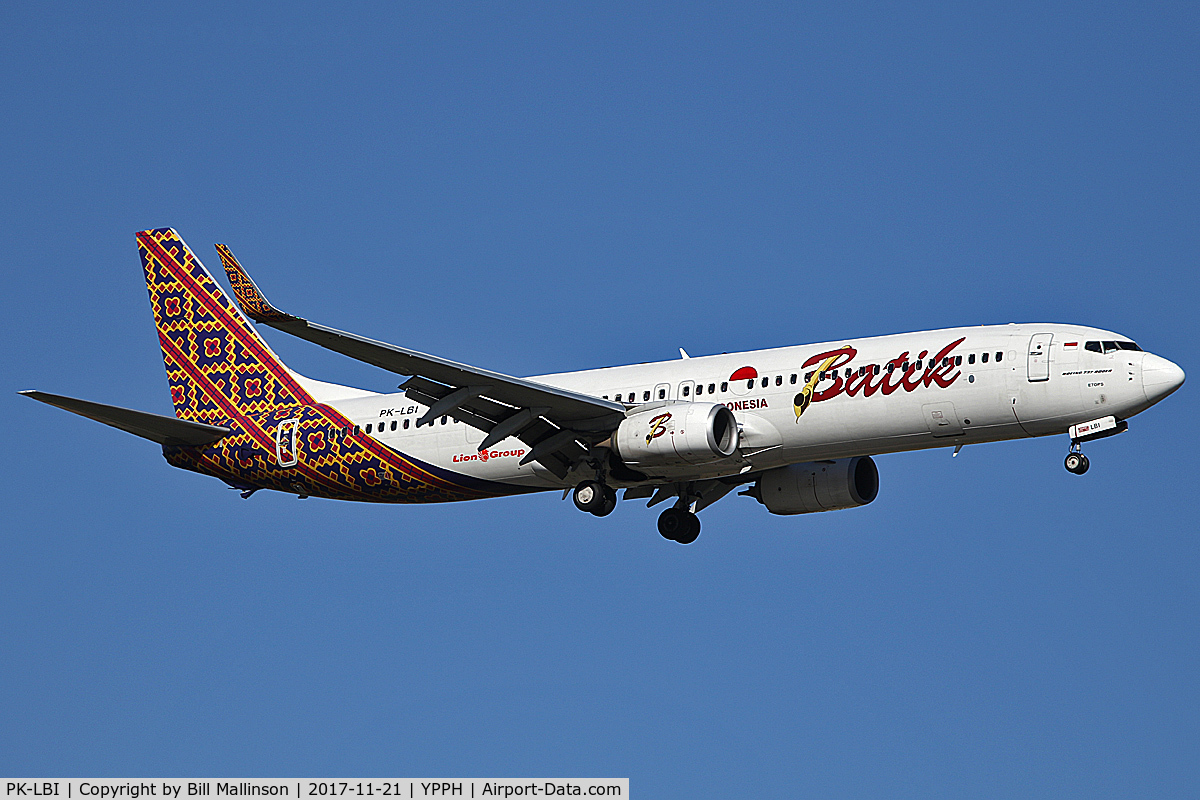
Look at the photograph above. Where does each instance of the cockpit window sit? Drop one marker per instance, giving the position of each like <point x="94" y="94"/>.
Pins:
<point x="1110" y="347"/>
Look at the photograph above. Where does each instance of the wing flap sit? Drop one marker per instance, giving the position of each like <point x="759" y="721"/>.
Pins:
<point x="486" y="415"/>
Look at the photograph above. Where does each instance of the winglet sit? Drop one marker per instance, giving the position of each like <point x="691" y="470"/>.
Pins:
<point x="249" y="298"/>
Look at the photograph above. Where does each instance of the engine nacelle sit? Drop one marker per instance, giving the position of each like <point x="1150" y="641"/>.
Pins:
<point x="818" y="486"/>
<point x="677" y="434"/>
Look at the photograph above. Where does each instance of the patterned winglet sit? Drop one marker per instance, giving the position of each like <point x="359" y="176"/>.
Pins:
<point x="249" y="298"/>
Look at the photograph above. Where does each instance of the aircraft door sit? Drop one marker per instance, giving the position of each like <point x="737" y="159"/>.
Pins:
<point x="686" y="390"/>
<point x="662" y="391"/>
<point x="942" y="419"/>
<point x="285" y="442"/>
<point x="1039" y="356"/>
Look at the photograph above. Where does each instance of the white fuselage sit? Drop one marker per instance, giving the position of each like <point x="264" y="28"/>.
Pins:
<point x="1037" y="380"/>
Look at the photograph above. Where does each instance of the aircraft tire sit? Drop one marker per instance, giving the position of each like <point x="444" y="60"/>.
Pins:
<point x="590" y="496"/>
<point x="671" y="523"/>
<point x="678" y="525"/>
<point x="1076" y="463"/>
<point x="610" y="502"/>
<point x="692" y="531"/>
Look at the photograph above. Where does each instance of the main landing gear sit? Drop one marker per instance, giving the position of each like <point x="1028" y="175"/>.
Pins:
<point x="595" y="498"/>
<point x="679" y="525"/>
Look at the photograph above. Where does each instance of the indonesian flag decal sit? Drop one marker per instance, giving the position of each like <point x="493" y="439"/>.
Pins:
<point x="741" y="382"/>
<point x="744" y="374"/>
<point x="1070" y="345"/>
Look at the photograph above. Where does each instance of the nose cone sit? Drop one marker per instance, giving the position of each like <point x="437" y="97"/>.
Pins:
<point x="1160" y="377"/>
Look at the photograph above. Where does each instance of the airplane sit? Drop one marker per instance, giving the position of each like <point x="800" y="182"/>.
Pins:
<point x="796" y="426"/>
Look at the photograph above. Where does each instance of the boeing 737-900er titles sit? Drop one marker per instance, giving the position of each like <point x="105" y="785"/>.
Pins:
<point x="797" y="425"/>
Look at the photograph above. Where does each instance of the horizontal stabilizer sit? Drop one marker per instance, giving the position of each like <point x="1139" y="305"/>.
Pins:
<point x="155" y="427"/>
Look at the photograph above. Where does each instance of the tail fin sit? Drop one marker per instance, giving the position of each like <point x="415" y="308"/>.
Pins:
<point x="218" y="367"/>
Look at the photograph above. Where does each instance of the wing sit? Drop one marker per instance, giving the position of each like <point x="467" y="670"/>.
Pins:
<point x="559" y="426"/>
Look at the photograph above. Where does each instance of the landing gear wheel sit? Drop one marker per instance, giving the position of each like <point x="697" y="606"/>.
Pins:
<point x="590" y="496"/>
<point x="693" y="530"/>
<point x="1076" y="463"/>
<point x="610" y="502"/>
<point x="679" y="525"/>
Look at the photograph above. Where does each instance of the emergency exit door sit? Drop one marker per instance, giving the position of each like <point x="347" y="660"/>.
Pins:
<point x="285" y="442"/>
<point x="1039" y="356"/>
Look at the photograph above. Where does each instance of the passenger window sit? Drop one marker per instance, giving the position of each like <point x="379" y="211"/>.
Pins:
<point x="985" y="357"/>
<point x="862" y="371"/>
<point x="686" y="391"/>
<point x="765" y="382"/>
<point x="712" y="388"/>
<point x="699" y="389"/>
<point x="750" y="383"/>
<point x="779" y="380"/>
<point x="662" y="394"/>
<point x="971" y="358"/>
<point x="646" y="396"/>
<point x="368" y="427"/>
<point x="919" y="363"/>
<point x="724" y="386"/>
<point x="904" y="366"/>
<point x="945" y="361"/>
<point x="876" y="369"/>
<point x="443" y="420"/>
<point x="891" y="367"/>
<point x="1093" y="346"/>
<point x="405" y="424"/>
<point x="393" y="424"/>
<point x="807" y="377"/>
<point x="999" y="356"/>
<point x="605" y="397"/>
<point x="792" y="379"/>
<point x="958" y="361"/>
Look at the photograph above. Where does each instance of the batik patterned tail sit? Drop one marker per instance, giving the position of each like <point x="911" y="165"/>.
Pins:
<point x="218" y="367"/>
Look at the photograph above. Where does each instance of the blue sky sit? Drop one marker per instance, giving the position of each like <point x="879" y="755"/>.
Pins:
<point x="538" y="188"/>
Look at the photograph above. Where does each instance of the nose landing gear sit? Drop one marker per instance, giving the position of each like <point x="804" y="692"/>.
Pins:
<point x="1076" y="462"/>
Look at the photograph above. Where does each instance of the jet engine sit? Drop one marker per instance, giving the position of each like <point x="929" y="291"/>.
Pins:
<point x="818" y="486"/>
<point x="677" y="434"/>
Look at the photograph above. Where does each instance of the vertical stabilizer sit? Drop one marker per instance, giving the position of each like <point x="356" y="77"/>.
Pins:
<point x="218" y="367"/>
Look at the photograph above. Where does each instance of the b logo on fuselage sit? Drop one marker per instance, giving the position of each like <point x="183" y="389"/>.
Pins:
<point x="658" y="426"/>
<point x="804" y="398"/>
